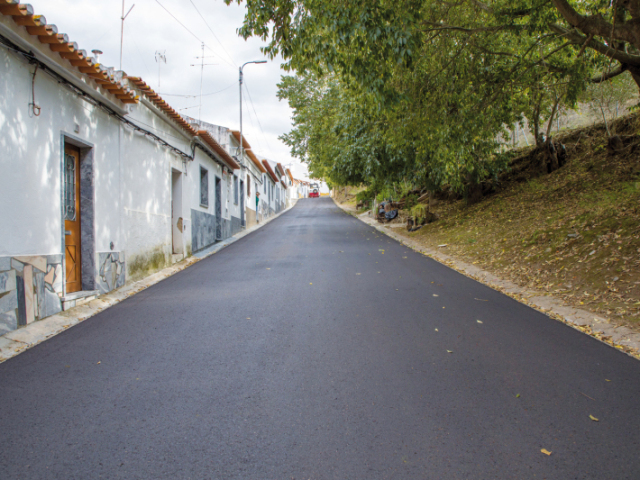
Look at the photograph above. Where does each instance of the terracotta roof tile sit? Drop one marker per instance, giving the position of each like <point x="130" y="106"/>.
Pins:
<point x="215" y="146"/>
<point x="36" y="25"/>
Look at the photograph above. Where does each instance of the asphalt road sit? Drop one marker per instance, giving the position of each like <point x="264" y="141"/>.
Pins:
<point x="318" y="348"/>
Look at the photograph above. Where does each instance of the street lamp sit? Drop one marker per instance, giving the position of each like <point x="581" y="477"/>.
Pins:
<point x="241" y="137"/>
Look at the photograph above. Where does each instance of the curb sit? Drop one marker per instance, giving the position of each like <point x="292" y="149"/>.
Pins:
<point x="17" y="341"/>
<point x="620" y="338"/>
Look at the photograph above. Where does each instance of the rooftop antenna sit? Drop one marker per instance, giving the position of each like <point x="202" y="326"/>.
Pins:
<point x="122" y="18"/>
<point x="160" y="57"/>
<point x="96" y="54"/>
<point x="202" y="65"/>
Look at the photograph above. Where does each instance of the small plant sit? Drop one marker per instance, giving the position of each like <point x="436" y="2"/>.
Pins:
<point x="419" y="213"/>
<point x="410" y="201"/>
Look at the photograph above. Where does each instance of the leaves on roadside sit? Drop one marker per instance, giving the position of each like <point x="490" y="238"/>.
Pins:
<point x="593" y="418"/>
<point x="545" y="451"/>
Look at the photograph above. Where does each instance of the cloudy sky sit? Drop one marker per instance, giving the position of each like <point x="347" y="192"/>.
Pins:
<point x="150" y="28"/>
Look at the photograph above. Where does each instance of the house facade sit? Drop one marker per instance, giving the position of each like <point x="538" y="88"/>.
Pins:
<point x="102" y="181"/>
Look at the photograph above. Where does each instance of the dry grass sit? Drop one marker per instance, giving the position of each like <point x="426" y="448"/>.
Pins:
<point x="574" y="233"/>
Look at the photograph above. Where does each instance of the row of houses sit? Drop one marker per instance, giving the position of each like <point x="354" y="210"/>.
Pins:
<point x="102" y="181"/>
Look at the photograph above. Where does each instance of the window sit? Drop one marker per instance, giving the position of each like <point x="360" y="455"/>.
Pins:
<point x="204" y="187"/>
<point x="248" y="185"/>
<point x="69" y="187"/>
<point x="235" y="189"/>
<point x="264" y="182"/>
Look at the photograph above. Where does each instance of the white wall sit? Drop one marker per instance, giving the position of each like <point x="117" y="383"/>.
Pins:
<point x="132" y="174"/>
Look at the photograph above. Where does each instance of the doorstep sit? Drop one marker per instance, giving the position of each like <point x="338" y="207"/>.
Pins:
<point x="76" y="299"/>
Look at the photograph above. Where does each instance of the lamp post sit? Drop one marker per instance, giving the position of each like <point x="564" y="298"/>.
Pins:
<point x="241" y="152"/>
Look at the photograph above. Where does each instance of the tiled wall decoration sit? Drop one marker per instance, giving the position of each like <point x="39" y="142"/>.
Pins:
<point x="112" y="273"/>
<point x="30" y="289"/>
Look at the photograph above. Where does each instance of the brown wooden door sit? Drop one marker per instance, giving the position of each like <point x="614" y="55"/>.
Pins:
<point x="72" y="219"/>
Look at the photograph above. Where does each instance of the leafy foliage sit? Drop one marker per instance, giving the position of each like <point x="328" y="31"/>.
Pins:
<point x="424" y="91"/>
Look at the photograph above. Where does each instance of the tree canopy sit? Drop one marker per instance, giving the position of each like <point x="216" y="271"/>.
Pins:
<point x="426" y="90"/>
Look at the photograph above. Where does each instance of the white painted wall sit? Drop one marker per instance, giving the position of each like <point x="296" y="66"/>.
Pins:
<point x="132" y="173"/>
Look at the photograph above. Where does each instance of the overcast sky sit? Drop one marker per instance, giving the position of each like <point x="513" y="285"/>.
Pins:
<point x="149" y="29"/>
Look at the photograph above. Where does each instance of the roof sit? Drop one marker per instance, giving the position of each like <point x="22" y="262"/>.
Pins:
<point x="79" y="60"/>
<point x="216" y="147"/>
<point x="157" y="100"/>
<point x="290" y="176"/>
<point x="281" y="168"/>
<point x="236" y="135"/>
<point x="255" y="160"/>
<point x="270" y="171"/>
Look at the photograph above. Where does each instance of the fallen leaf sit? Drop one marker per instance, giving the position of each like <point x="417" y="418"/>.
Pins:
<point x="449" y="351"/>
<point x="545" y="451"/>
<point x="443" y="245"/>
<point x="310" y="283"/>
<point x="396" y="289"/>
<point x="248" y="318"/>
<point x="518" y="396"/>
<point x="357" y="274"/>
<point x="268" y="269"/>
<point x="436" y="329"/>
<point x="404" y="257"/>
<point x="593" y="418"/>
<point x="481" y="300"/>
<point x="479" y="321"/>
<point x="435" y="294"/>
<point x="607" y="380"/>
<point x="98" y="363"/>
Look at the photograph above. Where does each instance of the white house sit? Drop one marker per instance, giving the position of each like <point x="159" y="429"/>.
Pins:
<point x="250" y="176"/>
<point x="102" y="180"/>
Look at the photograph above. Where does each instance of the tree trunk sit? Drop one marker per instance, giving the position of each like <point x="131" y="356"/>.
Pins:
<point x="536" y="125"/>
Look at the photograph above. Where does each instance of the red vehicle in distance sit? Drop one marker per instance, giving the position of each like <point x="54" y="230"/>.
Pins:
<point x="314" y="190"/>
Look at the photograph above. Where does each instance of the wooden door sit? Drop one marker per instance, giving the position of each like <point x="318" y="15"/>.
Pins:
<point x="72" y="219"/>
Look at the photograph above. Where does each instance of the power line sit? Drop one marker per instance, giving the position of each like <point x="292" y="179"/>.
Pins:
<point x="194" y="96"/>
<point x="258" y="119"/>
<point x="190" y="32"/>
<point x="181" y="24"/>
<point x="233" y="63"/>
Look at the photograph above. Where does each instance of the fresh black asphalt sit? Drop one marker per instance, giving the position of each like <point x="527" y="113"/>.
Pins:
<point x="318" y="348"/>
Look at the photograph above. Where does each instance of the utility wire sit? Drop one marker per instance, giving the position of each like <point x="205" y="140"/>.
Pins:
<point x="233" y="63"/>
<point x="258" y="119"/>
<point x="192" y="34"/>
<point x="195" y="96"/>
<point x="182" y="24"/>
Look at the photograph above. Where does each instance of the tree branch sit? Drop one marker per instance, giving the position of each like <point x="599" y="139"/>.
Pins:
<point x="599" y="47"/>
<point x="439" y="27"/>
<point x="604" y="76"/>
<point x="595" y="25"/>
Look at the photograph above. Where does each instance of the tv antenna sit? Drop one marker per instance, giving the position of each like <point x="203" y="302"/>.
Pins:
<point x="122" y="18"/>
<point x="202" y="65"/>
<point x="161" y="57"/>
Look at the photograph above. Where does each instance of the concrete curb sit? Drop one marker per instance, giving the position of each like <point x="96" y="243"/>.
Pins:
<point x="17" y="341"/>
<point x="594" y="325"/>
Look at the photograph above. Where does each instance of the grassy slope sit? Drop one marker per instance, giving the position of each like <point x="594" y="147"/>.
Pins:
<point x="521" y="233"/>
